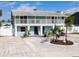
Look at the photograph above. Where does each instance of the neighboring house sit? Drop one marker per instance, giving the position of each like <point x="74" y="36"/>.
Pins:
<point x="37" y="22"/>
<point x="6" y="30"/>
<point x="75" y="27"/>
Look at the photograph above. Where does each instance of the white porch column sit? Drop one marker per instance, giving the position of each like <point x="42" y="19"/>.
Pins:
<point x="28" y="27"/>
<point x="15" y="30"/>
<point x="41" y="27"/>
<point x="53" y="26"/>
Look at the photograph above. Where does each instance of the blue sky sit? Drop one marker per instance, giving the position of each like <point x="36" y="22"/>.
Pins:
<point x="7" y="6"/>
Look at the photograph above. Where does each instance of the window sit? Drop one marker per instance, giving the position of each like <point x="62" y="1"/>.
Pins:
<point x="17" y="17"/>
<point x="31" y="17"/>
<point x="40" y="17"/>
<point x="31" y="21"/>
<point x="52" y="20"/>
<point x="48" y="17"/>
<point x="55" y="17"/>
<point x="37" y="21"/>
<point x="62" y="17"/>
<point x="22" y="29"/>
<point x="21" y="17"/>
<point x="42" y="21"/>
<point x="49" y="21"/>
<point x="21" y="21"/>
<point x="25" y="17"/>
<point x="18" y="28"/>
<point x="59" y="17"/>
<point x="52" y="17"/>
<point x="25" y="21"/>
<point x="47" y="28"/>
<point x="17" y="21"/>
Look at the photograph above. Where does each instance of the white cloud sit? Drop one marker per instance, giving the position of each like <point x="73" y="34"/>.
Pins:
<point x="25" y="7"/>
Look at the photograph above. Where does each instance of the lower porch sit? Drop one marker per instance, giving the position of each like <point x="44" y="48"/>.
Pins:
<point x="33" y="30"/>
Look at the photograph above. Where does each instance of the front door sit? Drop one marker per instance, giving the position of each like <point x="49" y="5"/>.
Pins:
<point x="35" y="30"/>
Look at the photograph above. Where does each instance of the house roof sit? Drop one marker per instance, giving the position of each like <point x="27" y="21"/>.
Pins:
<point x="38" y="13"/>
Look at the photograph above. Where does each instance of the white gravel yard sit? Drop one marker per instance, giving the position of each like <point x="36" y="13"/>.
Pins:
<point x="37" y="47"/>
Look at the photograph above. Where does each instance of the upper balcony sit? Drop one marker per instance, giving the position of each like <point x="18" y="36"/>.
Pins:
<point x="38" y="20"/>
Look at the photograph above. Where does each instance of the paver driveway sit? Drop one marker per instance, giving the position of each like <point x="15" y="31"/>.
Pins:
<point x="37" y="47"/>
<point x="15" y="46"/>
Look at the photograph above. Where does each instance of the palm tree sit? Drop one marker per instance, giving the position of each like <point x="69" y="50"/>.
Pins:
<point x="55" y="31"/>
<point x="68" y="23"/>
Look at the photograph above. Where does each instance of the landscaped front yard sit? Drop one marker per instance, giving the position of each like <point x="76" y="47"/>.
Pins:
<point x="45" y="48"/>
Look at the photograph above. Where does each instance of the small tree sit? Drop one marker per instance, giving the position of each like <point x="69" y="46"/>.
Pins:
<point x="28" y="32"/>
<point x="25" y="34"/>
<point x="0" y="15"/>
<point x="0" y="23"/>
<point x="3" y="21"/>
<point x="0" y="12"/>
<point x="55" y="31"/>
<point x="68" y="23"/>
